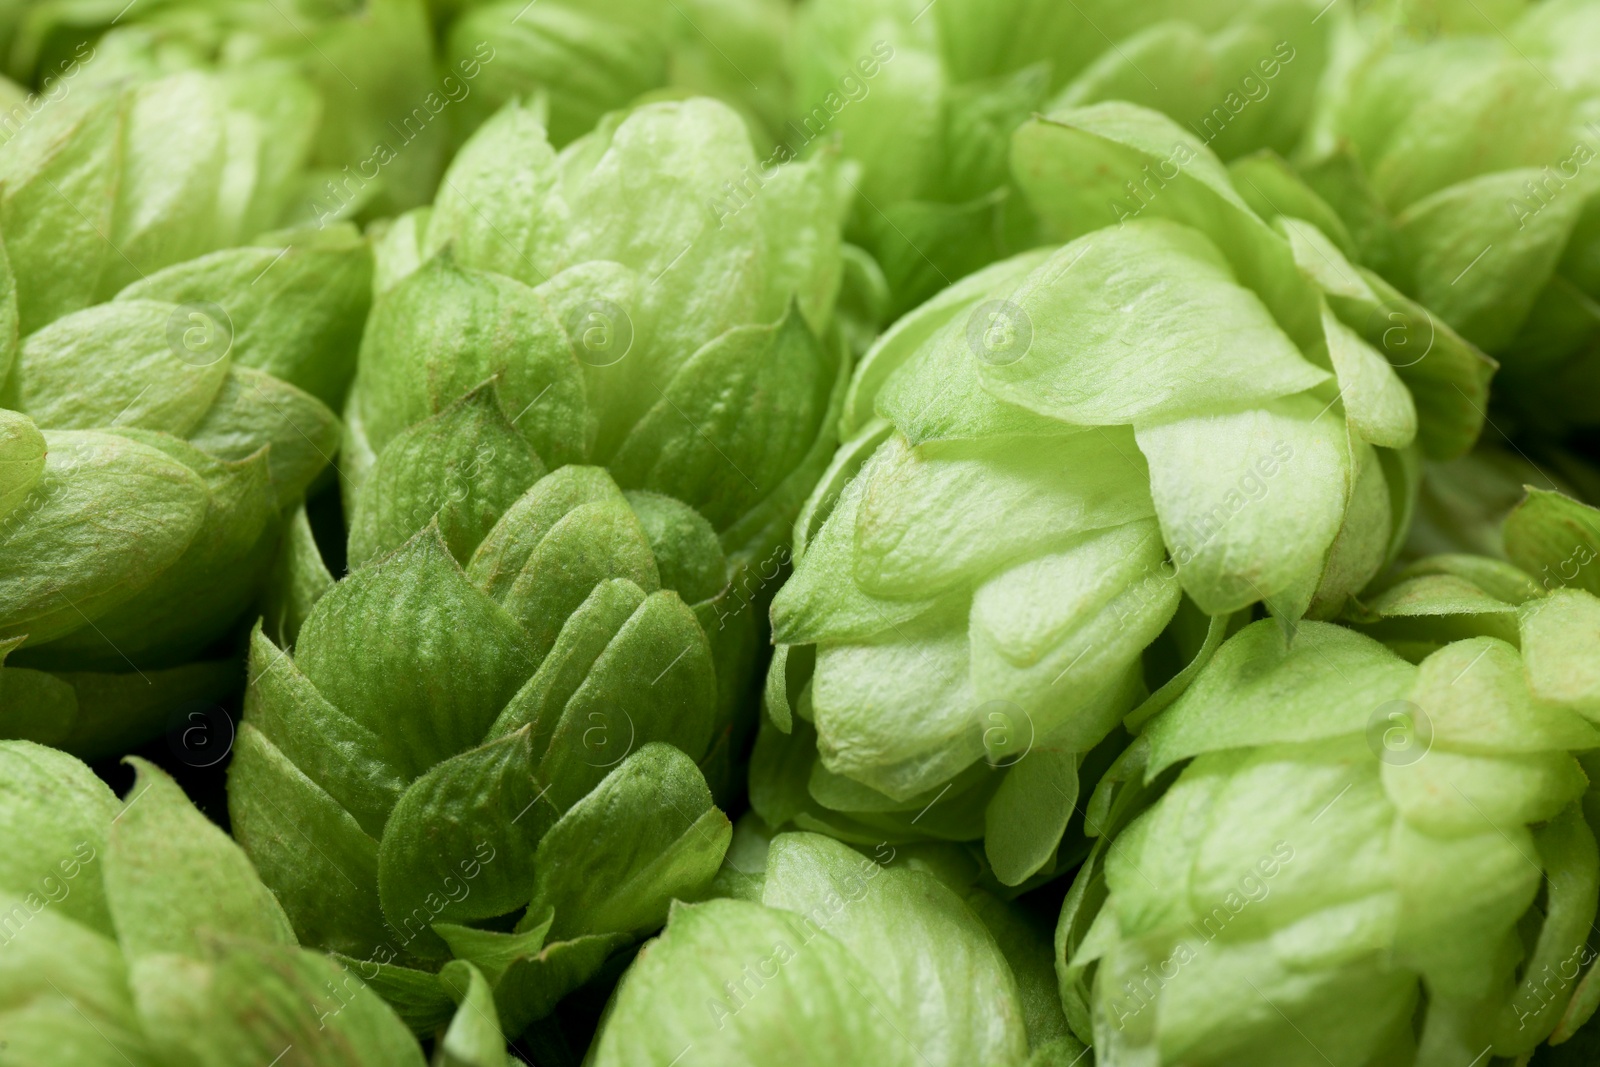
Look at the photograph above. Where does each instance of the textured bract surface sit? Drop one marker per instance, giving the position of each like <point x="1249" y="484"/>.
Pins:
<point x="1179" y="413"/>
<point x="824" y="956"/>
<point x="1464" y="165"/>
<point x="1361" y="859"/>
<point x="175" y="382"/>
<point x="507" y="735"/>
<point x="136" y="932"/>
<point x="622" y="321"/>
<point x="585" y="415"/>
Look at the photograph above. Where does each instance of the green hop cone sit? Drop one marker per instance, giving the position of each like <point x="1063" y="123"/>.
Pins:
<point x="1067" y="459"/>
<point x="179" y="358"/>
<point x="1467" y="168"/>
<point x="925" y="99"/>
<point x="1348" y="858"/>
<point x="623" y="322"/>
<point x="825" y="956"/>
<point x="604" y="314"/>
<point x="137" y="933"/>
<point x="926" y="123"/>
<point x="1241" y="77"/>
<point x="494" y="764"/>
<point x="565" y="488"/>
<point x="179" y="423"/>
<point x="350" y="91"/>
<point x="111" y="181"/>
<point x="587" y="59"/>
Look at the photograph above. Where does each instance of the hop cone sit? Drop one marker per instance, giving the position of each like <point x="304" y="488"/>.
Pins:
<point x="135" y="932"/>
<point x="1072" y="457"/>
<point x="925" y="99"/>
<point x="826" y="956"/>
<point x="1361" y="860"/>
<point x="497" y="730"/>
<point x="350" y="89"/>
<point x="169" y="401"/>
<point x="590" y="59"/>
<point x="120" y="173"/>
<point x="1465" y="168"/>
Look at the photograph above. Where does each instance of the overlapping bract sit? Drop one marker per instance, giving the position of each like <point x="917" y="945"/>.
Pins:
<point x="176" y="390"/>
<point x="588" y="59"/>
<point x="821" y="956"/>
<point x="512" y="741"/>
<point x="564" y="493"/>
<point x="602" y="374"/>
<point x="1465" y="169"/>
<point x="925" y="99"/>
<point x="624" y="322"/>
<point x="1353" y="840"/>
<point x="136" y="933"/>
<point x="621" y="324"/>
<point x="350" y="91"/>
<point x="120" y="177"/>
<point x="983" y="569"/>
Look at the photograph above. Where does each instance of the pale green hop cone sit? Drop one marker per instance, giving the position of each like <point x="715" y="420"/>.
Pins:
<point x="177" y="436"/>
<point x="1466" y="165"/>
<point x="344" y="104"/>
<point x="1540" y="593"/>
<point x="1352" y="859"/>
<point x="180" y="356"/>
<point x="183" y="420"/>
<point x="176" y="187"/>
<point x="120" y="176"/>
<point x="826" y="956"/>
<point x="1241" y="77"/>
<point x="1168" y="418"/>
<point x="925" y="99"/>
<point x="135" y="932"/>
<point x="589" y="59"/>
